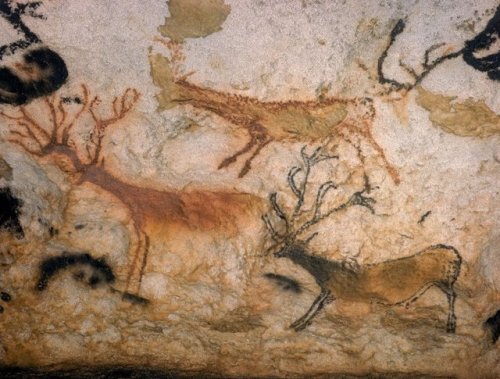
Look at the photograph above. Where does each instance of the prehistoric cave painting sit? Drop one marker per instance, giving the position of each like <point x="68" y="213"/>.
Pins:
<point x="325" y="119"/>
<point x="468" y="118"/>
<point x="393" y="282"/>
<point x="308" y="121"/>
<point x="46" y="128"/>
<point x="38" y="71"/>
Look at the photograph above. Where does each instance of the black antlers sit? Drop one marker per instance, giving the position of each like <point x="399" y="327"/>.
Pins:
<point x="291" y="226"/>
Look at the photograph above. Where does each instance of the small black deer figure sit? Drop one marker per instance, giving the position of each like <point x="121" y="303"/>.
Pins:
<point x="393" y="282"/>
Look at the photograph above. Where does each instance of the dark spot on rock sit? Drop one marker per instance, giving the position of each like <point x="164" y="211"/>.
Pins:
<point x="94" y="281"/>
<point x="493" y="324"/>
<point x="10" y="209"/>
<point x="5" y="296"/>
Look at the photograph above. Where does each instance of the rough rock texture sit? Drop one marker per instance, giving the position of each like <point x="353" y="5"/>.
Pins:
<point x="209" y="171"/>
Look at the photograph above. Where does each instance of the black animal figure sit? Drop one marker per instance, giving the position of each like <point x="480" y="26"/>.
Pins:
<point x="10" y="208"/>
<point x="86" y="269"/>
<point x="38" y="71"/>
<point x="393" y="282"/>
<point x="481" y="53"/>
<point x="100" y="271"/>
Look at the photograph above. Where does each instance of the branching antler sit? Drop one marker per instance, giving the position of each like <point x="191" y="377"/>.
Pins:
<point x="291" y="229"/>
<point x="427" y="65"/>
<point x="51" y="129"/>
<point x="29" y="131"/>
<point x="121" y="106"/>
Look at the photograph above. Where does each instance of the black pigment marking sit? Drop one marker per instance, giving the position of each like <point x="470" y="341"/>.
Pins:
<point x="398" y="29"/>
<point x="427" y="65"/>
<point x="45" y="69"/>
<point x="79" y="226"/>
<point x="286" y="283"/>
<point x="493" y="324"/>
<point x="70" y="100"/>
<point x="12" y="14"/>
<point x="51" y="266"/>
<point x="134" y="298"/>
<point x="5" y="296"/>
<point x="424" y="216"/>
<point x="10" y="209"/>
<point x="489" y="63"/>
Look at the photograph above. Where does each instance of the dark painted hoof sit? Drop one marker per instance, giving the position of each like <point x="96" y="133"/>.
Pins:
<point x="134" y="299"/>
<point x="226" y="162"/>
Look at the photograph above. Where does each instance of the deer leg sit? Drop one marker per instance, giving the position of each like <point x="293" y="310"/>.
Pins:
<point x="451" y="295"/>
<point x="451" y="324"/>
<point x="247" y="166"/>
<point x="259" y="138"/>
<point x="325" y="297"/>
<point x="136" y="270"/>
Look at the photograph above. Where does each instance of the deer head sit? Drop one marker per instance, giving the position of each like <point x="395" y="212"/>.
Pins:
<point x="289" y="237"/>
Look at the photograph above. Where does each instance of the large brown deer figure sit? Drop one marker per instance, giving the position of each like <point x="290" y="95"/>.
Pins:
<point x="46" y="128"/>
<point x="393" y="282"/>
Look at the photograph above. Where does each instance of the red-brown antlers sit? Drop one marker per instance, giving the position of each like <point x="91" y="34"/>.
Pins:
<point x="40" y="140"/>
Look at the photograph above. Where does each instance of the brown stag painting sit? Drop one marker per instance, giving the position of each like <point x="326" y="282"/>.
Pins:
<point x="45" y="129"/>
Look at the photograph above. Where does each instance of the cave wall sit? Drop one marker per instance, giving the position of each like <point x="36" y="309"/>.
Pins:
<point x="249" y="188"/>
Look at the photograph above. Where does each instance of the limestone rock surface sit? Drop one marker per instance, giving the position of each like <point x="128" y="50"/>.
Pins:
<point x="247" y="188"/>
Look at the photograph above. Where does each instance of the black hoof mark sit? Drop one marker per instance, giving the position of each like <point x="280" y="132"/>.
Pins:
<point x="134" y="299"/>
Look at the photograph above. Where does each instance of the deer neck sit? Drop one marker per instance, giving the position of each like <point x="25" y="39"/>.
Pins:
<point x="320" y="268"/>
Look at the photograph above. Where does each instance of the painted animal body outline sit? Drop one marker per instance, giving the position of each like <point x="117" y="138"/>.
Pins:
<point x="200" y="209"/>
<point x="392" y="282"/>
<point x="318" y="120"/>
